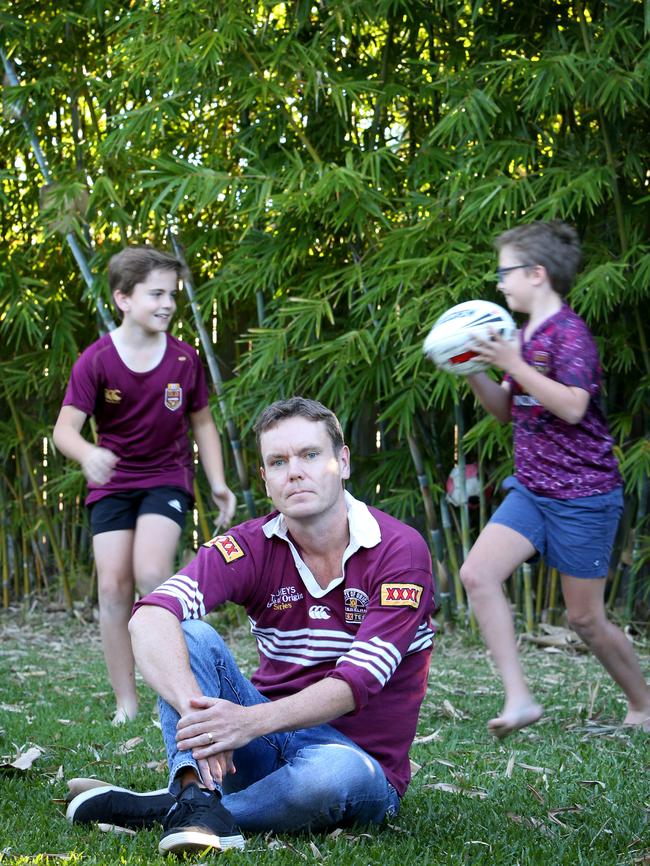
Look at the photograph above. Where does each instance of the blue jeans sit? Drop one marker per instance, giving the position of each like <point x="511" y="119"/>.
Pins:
<point x="312" y="778"/>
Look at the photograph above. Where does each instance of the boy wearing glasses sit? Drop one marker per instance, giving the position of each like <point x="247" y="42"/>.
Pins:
<point x="566" y="497"/>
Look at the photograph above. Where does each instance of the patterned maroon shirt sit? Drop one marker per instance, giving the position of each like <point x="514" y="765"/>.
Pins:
<point x="552" y="457"/>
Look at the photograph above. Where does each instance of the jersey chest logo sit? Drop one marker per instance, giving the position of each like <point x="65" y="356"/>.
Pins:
<point x="400" y="595"/>
<point x="541" y="361"/>
<point x="355" y="603"/>
<point x="173" y="396"/>
<point x="112" y="395"/>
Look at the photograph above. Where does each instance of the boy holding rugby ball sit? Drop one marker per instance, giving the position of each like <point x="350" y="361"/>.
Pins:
<point x="566" y="496"/>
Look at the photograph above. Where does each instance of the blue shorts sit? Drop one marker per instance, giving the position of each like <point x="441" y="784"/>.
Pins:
<point x="121" y="510"/>
<point x="575" y="536"/>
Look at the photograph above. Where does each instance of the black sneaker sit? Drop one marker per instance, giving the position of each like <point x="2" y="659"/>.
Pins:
<point x="119" y="806"/>
<point x="197" y="821"/>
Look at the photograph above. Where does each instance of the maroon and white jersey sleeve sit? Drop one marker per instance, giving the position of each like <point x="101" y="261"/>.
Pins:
<point x="396" y="625"/>
<point x="222" y="570"/>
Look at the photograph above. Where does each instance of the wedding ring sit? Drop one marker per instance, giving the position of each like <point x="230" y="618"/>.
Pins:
<point x="210" y="737"/>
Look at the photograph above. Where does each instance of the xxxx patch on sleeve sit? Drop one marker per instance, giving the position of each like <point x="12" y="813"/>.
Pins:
<point x="227" y="547"/>
<point x="400" y="595"/>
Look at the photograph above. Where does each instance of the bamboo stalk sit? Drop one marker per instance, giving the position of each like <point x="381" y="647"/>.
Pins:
<point x="434" y="530"/>
<point x="464" y="508"/>
<point x="44" y="513"/>
<point x="539" y="590"/>
<point x="552" y="598"/>
<point x="217" y="381"/>
<point x="70" y="238"/>
<point x="5" y="565"/>
<point x="200" y="508"/>
<point x="528" y="597"/>
<point x="630" y="597"/>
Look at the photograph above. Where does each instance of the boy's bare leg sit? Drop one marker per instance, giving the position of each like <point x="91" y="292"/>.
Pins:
<point x="114" y="556"/>
<point x="497" y="552"/>
<point x="584" y="599"/>
<point x="154" y="550"/>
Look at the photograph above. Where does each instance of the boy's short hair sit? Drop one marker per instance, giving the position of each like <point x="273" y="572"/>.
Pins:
<point x="553" y="244"/>
<point x="133" y="265"/>
<point x="300" y="407"/>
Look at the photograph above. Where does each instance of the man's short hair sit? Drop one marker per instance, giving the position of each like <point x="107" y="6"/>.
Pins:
<point x="553" y="244"/>
<point x="299" y="407"/>
<point x="133" y="265"/>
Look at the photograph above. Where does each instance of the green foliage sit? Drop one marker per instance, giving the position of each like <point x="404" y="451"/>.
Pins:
<point x="336" y="173"/>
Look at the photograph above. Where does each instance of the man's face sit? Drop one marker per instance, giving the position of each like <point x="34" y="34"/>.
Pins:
<point x="302" y="473"/>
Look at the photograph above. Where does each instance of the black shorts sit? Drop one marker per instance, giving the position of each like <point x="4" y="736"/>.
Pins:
<point x="121" y="510"/>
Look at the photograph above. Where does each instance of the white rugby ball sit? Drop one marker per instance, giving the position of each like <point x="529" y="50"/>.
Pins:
<point x="450" y="342"/>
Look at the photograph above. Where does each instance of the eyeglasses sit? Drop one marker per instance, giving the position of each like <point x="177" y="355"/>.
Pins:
<point x="501" y="272"/>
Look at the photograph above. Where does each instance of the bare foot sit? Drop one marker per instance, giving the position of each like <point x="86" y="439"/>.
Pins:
<point x="121" y="717"/>
<point x="513" y="719"/>
<point x="638" y="719"/>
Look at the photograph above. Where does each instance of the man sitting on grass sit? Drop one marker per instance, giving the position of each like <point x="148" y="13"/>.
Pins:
<point x="339" y="596"/>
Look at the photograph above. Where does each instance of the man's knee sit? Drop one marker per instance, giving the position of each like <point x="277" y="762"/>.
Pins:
<point x="198" y="633"/>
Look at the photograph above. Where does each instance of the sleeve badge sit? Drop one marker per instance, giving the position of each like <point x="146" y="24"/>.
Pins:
<point x="401" y="595"/>
<point x="227" y="547"/>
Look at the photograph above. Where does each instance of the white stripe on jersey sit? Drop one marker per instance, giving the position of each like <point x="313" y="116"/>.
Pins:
<point x="360" y="663"/>
<point x="307" y="647"/>
<point x="423" y="639"/>
<point x="363" y="656"/>
<point x="186" y="591"/>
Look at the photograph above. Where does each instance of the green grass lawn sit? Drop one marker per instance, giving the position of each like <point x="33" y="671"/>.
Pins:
<point x="573" y="789"/>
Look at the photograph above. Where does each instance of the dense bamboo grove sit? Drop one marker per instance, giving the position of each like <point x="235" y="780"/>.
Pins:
<point x="336" y="173"/>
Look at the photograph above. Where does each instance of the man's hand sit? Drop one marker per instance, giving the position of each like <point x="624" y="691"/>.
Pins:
<point x="226" y="501"/>
<point x="213" y="732"/>
<point x="99" y="464"/>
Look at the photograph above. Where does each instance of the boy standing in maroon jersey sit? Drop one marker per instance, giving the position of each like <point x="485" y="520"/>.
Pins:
<point x="146" y="390"/>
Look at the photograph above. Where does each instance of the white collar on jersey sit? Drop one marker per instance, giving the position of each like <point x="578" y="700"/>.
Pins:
<point x="364" y="532"/>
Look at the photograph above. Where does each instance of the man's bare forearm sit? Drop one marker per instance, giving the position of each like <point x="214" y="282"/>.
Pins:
<point x="161" y="655"/>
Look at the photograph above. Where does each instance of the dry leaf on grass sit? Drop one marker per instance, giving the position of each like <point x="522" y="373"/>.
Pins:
<point x="129" y="746"/>
<point x="12" y="708"/>
<point x="23" y="762"/>
<point x="535" y="793"/>
<point x="114" y="828"/>
<point x="596" y="782"/>
<point x="450" y="710"/>
<point x="553" y="813"/>
<point x="315" y="851"/>
<point x="428" y="738"/>
<point x="532" y="823"/>
<point x="479" y="793"/>
<point x="415" y="768"/>
<point x="535" y="769"/>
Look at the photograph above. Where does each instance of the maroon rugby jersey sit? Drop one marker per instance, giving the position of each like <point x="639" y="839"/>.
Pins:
<point x="552" y="457"/>
<point x="141" y="417"/>
<point x="371" y="627"/>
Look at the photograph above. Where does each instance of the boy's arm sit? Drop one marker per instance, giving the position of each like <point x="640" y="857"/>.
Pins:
<point x="494" y="398"/>
<point x="207" y="440"/>
<point x="568" y="402"/>
<point x="96" y="463"/>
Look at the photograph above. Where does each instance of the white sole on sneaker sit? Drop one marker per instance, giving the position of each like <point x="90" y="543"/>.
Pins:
<point x="198" y="840"/>
<point x="80" y="799"/>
